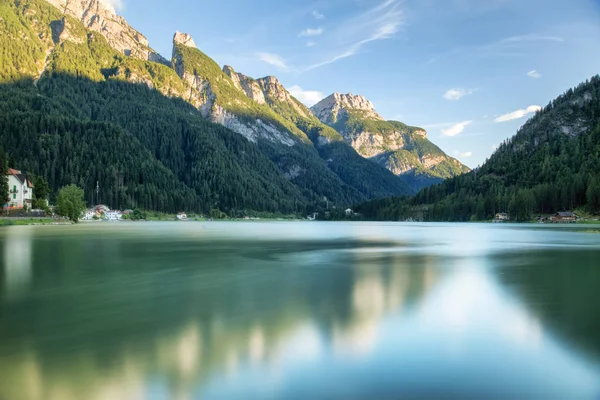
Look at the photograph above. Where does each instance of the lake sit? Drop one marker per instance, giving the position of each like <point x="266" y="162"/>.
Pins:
<point x="299" y="310"/>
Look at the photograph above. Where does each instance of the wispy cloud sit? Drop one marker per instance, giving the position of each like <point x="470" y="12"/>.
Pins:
<point x="456" y="128"/>
<point x="463" y="154"/>
<point x="310" y="44"/>
<point x="318" y="15"/>
<point x="311" y="32"/>
<point x="510" y="46"/>
<point x="274" y="60"/>
<point x="308" y="97"/>
<point x="534" y="74"/>
<point x="457" y="94"/>
<point x="531" y="37"/>
<point x="378" y="23"/>
<point x="518" y="114"/>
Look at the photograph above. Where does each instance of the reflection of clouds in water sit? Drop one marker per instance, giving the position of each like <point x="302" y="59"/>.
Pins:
<point x="17" y="261"/>
<point x="256" y="345"/>
<point x="470" y="301"/>
<point x="189" y="349"/>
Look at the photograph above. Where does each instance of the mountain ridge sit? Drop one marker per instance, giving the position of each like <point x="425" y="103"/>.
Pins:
<point x="402" y="149"/>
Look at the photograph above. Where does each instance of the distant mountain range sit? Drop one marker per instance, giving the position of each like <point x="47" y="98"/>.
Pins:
<point x="197" y="136"/>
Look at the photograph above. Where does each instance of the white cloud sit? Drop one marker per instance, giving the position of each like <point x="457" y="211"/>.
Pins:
<point x="534" y="74"/>
<point x="518" y="114"/>
<point x="463" y="154"/>
<point x="115" y="5"/>
<point x="456" y="128"/>
<point x="308" y="97"/>
<point x="318" y="15"/>
<point x="311" y="32"/>
<point x="274" y="60"/>
<point x="378" y="23"/>
<point x="310" y="44"/>
<point x="456" y="94"/>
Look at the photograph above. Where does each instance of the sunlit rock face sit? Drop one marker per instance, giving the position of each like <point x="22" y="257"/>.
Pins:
<point x="404" y="150"/>
<point x="101" y="17"/>
<point x="333" y="108"/>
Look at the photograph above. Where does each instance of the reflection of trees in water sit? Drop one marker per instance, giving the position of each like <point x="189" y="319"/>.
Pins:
<point x="561" y="288"/>
<point x="104" y="327"/>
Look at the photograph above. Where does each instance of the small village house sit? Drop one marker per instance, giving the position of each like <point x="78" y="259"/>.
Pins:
<point x="564" y="217"/>
<point x="501" y="217"/>
<point x="113" y="215"/>
<point x="20" y="190"/>
<point x="89" y="214"/>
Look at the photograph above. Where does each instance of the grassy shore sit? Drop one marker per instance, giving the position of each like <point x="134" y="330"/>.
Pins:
<point x="31" y="221"/>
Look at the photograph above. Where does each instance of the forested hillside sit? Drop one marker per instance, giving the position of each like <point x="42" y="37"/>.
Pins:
<point x="552" y="164"/>
<point x="75" y="110"/>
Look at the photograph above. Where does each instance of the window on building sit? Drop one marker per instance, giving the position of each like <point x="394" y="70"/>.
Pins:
<point x="15" y="188"/>
<point x="14" y="196"/>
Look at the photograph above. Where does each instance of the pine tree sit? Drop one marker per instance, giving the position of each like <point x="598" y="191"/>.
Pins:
<point x="4" y="194"/>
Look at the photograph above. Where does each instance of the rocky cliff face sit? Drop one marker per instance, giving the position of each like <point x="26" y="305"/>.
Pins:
<point x="402" y="149"/>
<point x="249" y="86"/>
<point x="101" y="17"/>
<point x="226" y="97"/>
<point x="334" y="108"/>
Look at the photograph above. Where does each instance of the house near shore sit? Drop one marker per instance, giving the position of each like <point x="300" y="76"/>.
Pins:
<point x="89" y="215"/>
<point x="182" y="216"/>
<point x="501" y="217"/>
<point x="113" y="215"/>
<point x="565" y="217"/>
<point x="20" y="190"/>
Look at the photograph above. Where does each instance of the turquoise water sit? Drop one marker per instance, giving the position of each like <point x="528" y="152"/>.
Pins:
<point x="286" y="310"/>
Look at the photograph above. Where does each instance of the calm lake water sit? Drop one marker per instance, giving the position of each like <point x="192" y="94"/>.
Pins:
<point x="299" y="310"/>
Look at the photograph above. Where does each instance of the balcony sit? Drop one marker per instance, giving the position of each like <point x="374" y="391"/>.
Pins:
<point x="13" y="191"/>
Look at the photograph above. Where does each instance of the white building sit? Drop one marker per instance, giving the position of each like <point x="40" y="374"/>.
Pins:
<point x="113" y="215"/>
<point x="182" y="216"/>
<point x="89" y="214"/>
<point x="20" y="189"/>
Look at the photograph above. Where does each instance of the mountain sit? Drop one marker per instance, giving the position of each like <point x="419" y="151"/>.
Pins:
<point x="402" y="149"/>
<point x="552" y="164"/>
<point x="84" y="84"/>
<point x="257" y="109"/>
<point x="100" y="16"/>
<point x="371" y="179"/>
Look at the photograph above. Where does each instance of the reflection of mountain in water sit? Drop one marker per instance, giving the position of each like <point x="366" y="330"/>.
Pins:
<point x="561" y="287"/>
<point x="106" y="326"/>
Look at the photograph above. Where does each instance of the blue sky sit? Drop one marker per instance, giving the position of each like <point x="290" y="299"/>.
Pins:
<point x="468" y="71"/>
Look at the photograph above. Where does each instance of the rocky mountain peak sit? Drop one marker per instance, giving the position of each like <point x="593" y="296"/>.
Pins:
<point x="337" y="105"/>
<point x="184" y="39"/>
<point x="100" y="16"/>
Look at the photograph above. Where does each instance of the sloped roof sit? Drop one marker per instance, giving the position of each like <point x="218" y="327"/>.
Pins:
<point x="21" y="177"/>
<point x="566" y="214"/>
